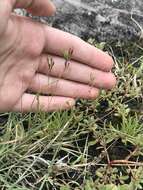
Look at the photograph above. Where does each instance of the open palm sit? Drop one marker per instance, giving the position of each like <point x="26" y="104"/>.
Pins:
<point x="33" y="65"/>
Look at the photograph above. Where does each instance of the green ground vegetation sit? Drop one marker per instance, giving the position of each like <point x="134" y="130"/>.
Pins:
<point x="98" y="145"/>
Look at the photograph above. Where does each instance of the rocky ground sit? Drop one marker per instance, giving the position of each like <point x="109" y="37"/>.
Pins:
<point x="104" y="20"/>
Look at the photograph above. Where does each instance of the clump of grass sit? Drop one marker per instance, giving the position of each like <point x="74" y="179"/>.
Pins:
<point x="98" y="145"/>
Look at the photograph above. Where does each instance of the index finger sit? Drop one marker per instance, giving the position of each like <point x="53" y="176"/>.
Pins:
<point x="57" y="42"/>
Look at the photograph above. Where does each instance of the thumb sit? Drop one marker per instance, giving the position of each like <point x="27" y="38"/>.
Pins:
<point x="36" y="7"/>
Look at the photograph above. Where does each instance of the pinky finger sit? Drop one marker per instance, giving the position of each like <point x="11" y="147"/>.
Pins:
<point x="34" y="103"/>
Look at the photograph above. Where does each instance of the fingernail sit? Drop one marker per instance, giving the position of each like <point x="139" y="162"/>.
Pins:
<point x="94" y="93"/>
<point x="70" y="102"/>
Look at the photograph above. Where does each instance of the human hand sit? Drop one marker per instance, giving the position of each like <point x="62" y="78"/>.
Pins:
<point x="32" y="61"/>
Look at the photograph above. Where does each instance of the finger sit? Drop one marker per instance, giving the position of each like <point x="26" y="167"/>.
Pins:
<point x="77" y="72"/>
<point x="5" y="10"/>
<point x="37" y="7"/>
<point x="59" y="87"/>
<point x="34" y="103"/>
<point x="57" y="42"/>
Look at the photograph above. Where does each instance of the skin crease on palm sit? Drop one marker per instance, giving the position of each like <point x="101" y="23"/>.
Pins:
<point x="25" y="48"/>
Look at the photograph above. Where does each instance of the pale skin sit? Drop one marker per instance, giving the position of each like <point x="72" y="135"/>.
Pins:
<point x="25" y="47"/>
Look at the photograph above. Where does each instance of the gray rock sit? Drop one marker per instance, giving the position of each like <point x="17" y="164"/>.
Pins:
<point x="104" y="20"/>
